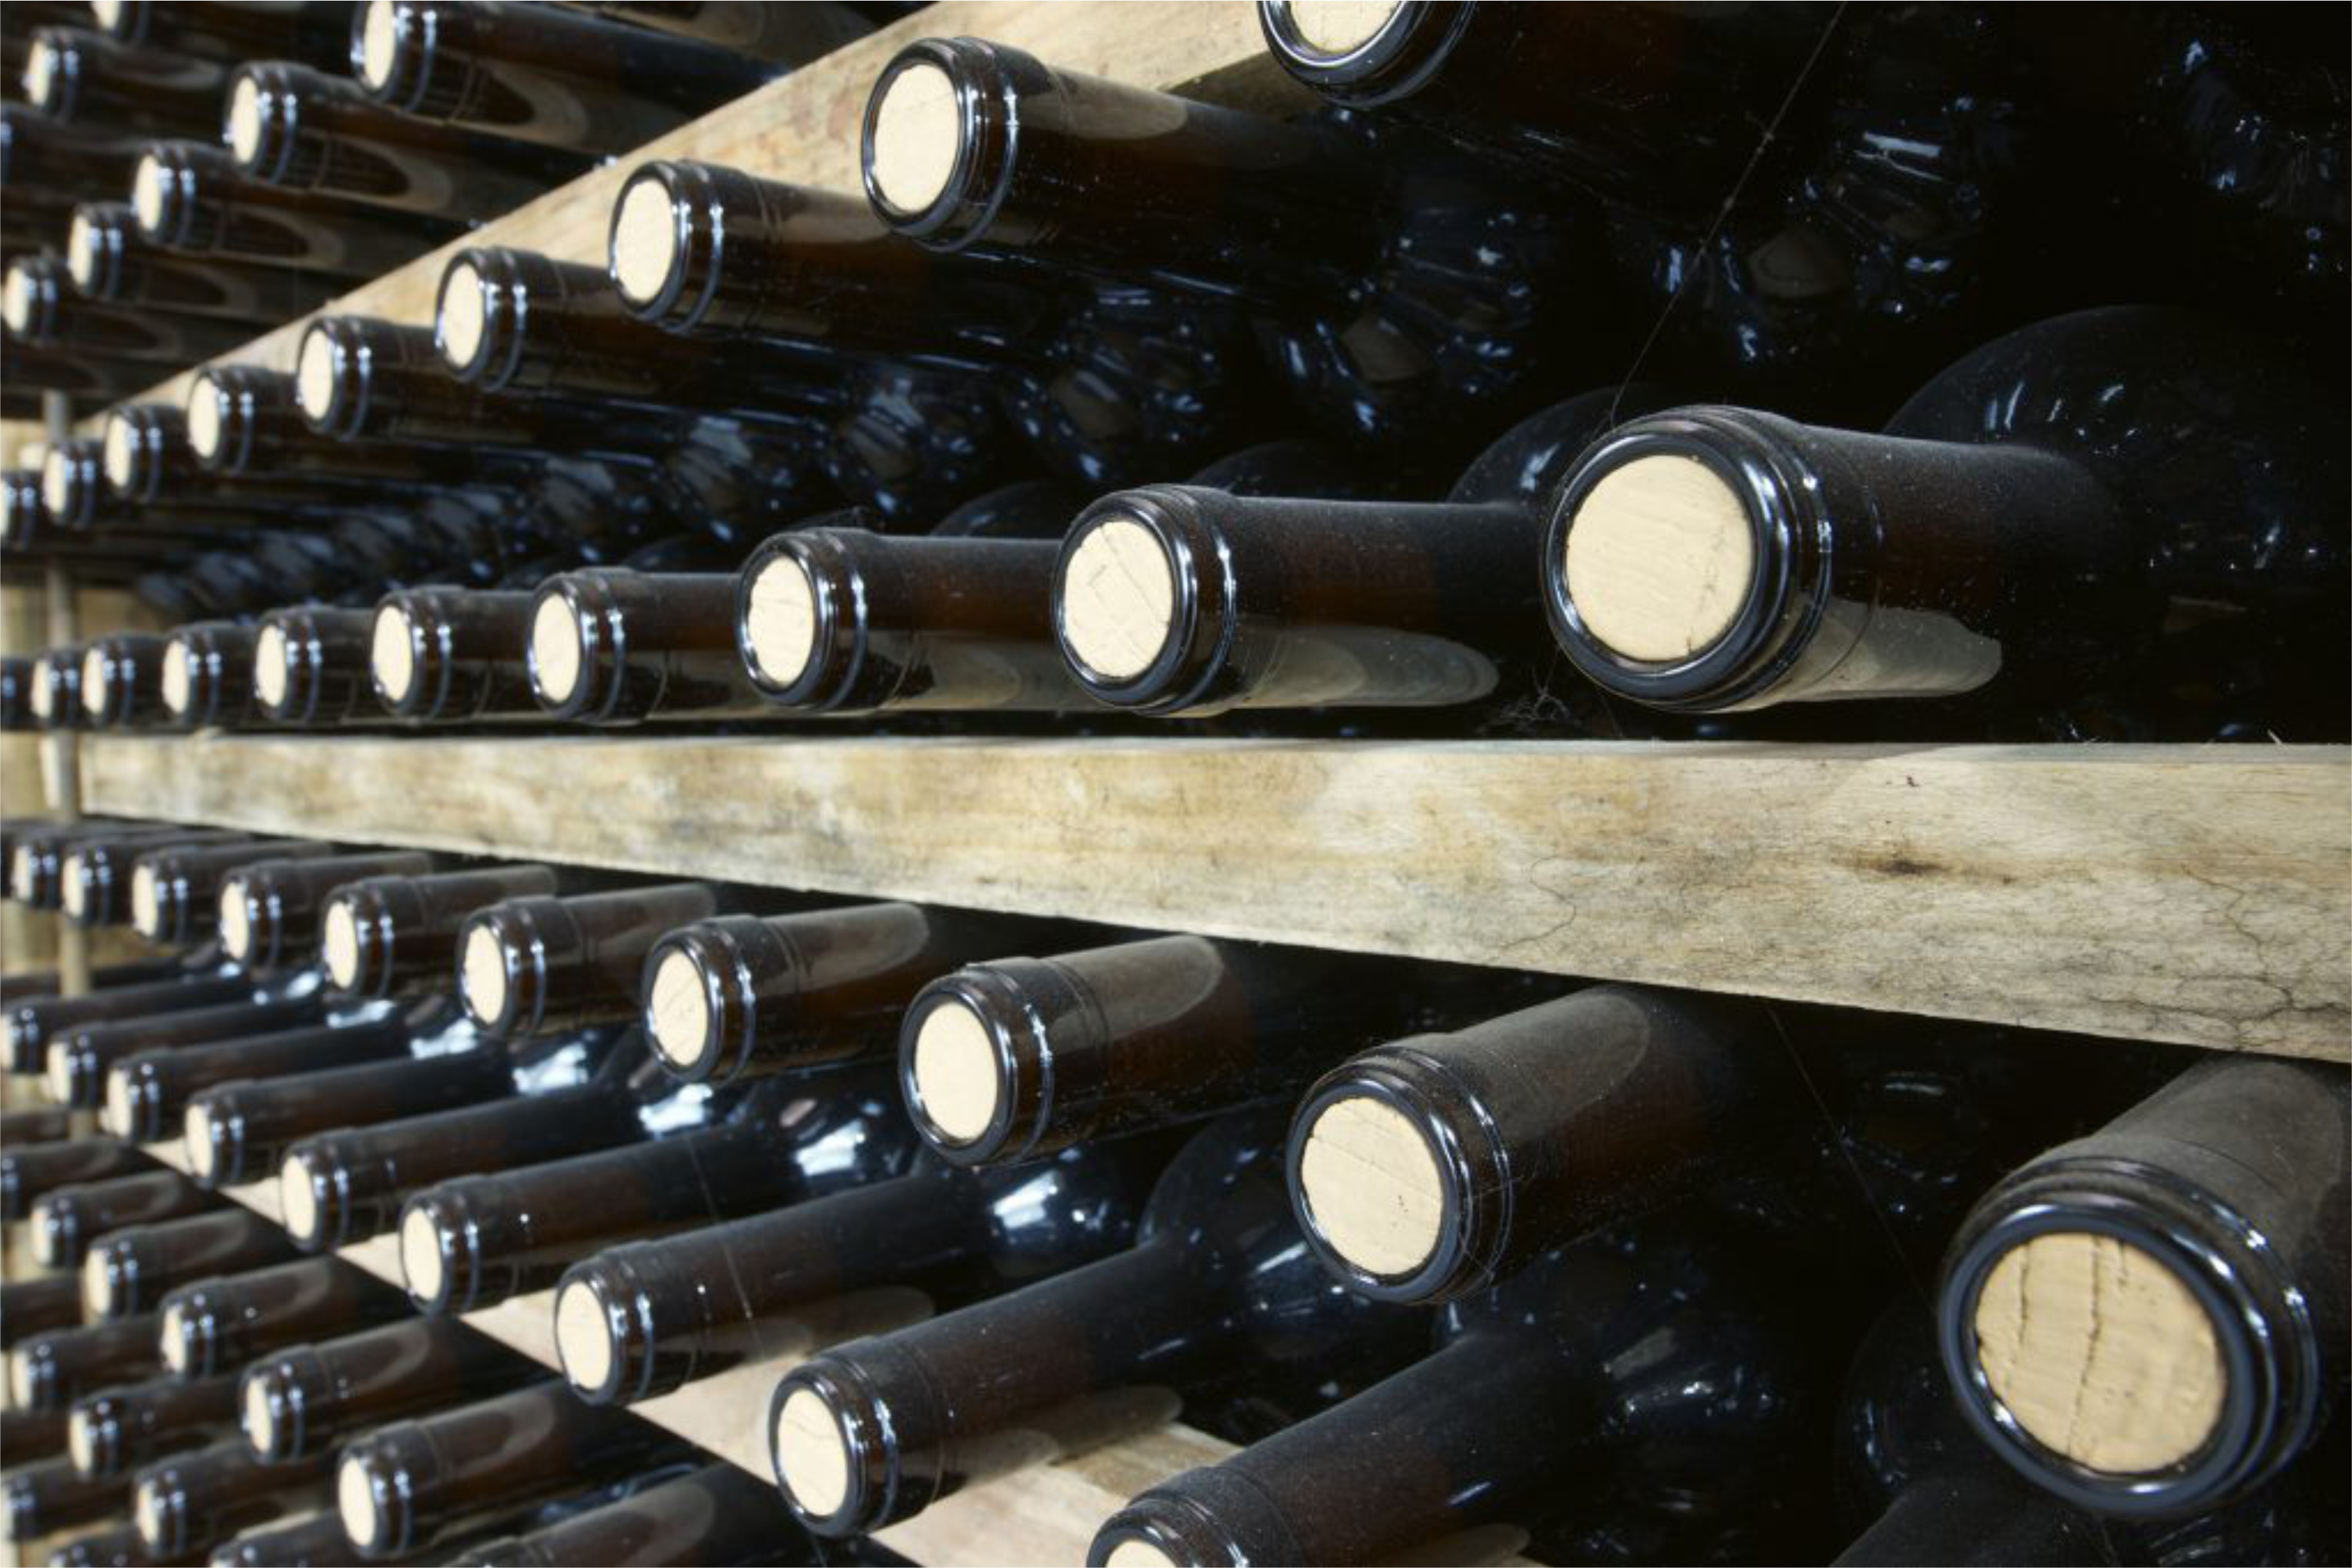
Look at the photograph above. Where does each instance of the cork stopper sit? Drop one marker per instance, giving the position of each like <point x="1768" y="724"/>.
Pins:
<point x="463" y="314"/>
<point x="20" y="1378"/>
<point x="108" y="12"/>
<point x="203" y="412"/>
<point x="235" y="918"/>
<point x="97" y="1284"/>
<point x="81" y="254"/>
<point x="196" y="1133"/>
<point x="677" y="1010"/>
<point x="57" y="483"/>
<point x="41" y="74"/>
<point x="147" y="193"/>
<point x="245" y="120"/>
<point x="556" y="652"/>
<point x="1119" y="598"/>
<point x="955" y="1071"/>
<point x="1373" y="1186"/>
<point x="273" y="657"/>
<point x="917" y="130"/>
<point x="811" y="1453"/>
<point x="73" y="892"/>
<point x="81" y="1443"/>
<point x="16" y="302"/>
<point x="297" y="1197"/>
<point x="174" y="1339"/>
<point x="148" y="1514"/>
<point x="581" y="1339"/>
<point x="339" y="944"/>
<point x="314" y="377"/>
<point x="93" y="681"/>
<point x="120" y="451"/>
<point x="644" y="241"/>
<point x="378" y="43"/>
<point x="1339" y="26"/>
<point x="2100" y="1352"/>
<point x="482" y="975"/>
<point x="1135" y="1552"/>
<point x="1660" y="558"/>
<point x="117" y="1106"/>
<point x="260" y="1419"/>
<point x="420" y="1256"/>
<point x="145" y="917"/>
<point x="56" y="1072"/>
<point x="780" y="622"/>
<point x="392" y="653"/>
<point x="44" y="697"/>
<point x="355" y="1502"/>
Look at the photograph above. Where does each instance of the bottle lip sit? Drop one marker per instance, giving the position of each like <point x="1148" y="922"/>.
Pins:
<point x="1789" y="548"/>
<point x="187" y="1332"/>
<point x="1466" y="1174"/>
<point x="848" y="1489"/>
<point x="310" y="1189"/>
<point x="2270" y="1400"/>
<point x="94" y="1436"/>
<point x="162" y="194"/>
<point x="355" y="940"/>
<point x="71" y="480"/>
<point x="663" y="249"/>
<point x="330" y="378"/>
<point x="1020" y="1081"/>
<point x="439" y="1254"/>
<point x="269" y="1409"/>
<point x="161" y="1512"/>
<point x="1168" y="1524"/>
<point x="53" y="71"/>
<point x="956" y="202"/>
<point x="577" y="647"/>
<point x="500" y="977"/>
<point x="481" y="317"/>
<point x="805" y="581"/>
<point x="94" y="247"/>
<point x="402" y="669"/>
<point x="600" y="1344"/>
<point x="395" y="46"/>
<point x="1196" y="624"/>
<point x="132" y="458"/>
<point x="373" y="1504"/>
<point x="700" y="1013"/>
<point x="262" y="122"/>
<point x="1394" y="62"/>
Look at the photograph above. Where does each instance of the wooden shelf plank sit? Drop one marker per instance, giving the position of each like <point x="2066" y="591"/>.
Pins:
<point x="1045" y="1515"/>
<point x="804" y="129"/>
<point x="2202" y="895"/>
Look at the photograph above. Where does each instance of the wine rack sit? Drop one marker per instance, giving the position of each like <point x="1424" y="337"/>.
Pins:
<point x="2194" y="895"/>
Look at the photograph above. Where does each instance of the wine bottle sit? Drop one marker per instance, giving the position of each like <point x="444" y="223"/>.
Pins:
<point x="338" y="1188"/>
<point x="1107" y="383"/>
<point x="1184" y="601"/>
<point x="743" y="997"/>
<point x="617" y="647"/>
<point x="175" y="893"/>
<point x="192" y="199"/>
<point x="26" y="1173"/>
<point x="1217" y="1302"/>
<point x="88" y="80"/>
<point x="1647" y="1383"/>
<point x="718" y="1514"/>
<point x="131" y="1269"/>
<point x="1437" y="1165"/>
<point x="192" y="1502"/>
<point x="150" y="459"/>
<point x="1931" y="1492"/>
<point x="37" y="858"/>
<point x="1011" y="1057"/>
<point x="65" y="1220"/>
<point x="648" y="1317"/>
<point x="304" y="130"/>
<point x="270" y="909"/>
<point x="1400" y="289"/>
<point x="414" y="1483"/>
<point x="1996" y="538"/>
<point x="29" y="1307"/>
<point x="535" y="966"/>
<point x="446" y="655"/>
<point x="2144" y="1322"/>
<point x="114" y="1430"/>
<point x="110" y="260"/>
<point x="388" y="934"/>
<point x="95" y="875"/>
<point x="147" y="1093"/>
<point x="35" y="1021"/>
<point x="29" y="1436"/>
<point x="42" y="1500"/>
<point x="210" y="1328"/>
<point x="80" y="1058"/>
<point x="302" y="1402"/>
<point x="1667" y="106"/>
<point x="310" y="666"/>
<point x="206" y="679"/>
<point x="244" y="420"/>
<point x="540" y="74"/>
<point x="238" y="1132"/>
<point x="475" y="1241"/>
<point x="312" y="31"/>
<point x="40" y="307"/>
<point x="50" y="1371"/>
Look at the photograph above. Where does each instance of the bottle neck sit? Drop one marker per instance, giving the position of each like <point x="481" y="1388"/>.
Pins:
<point x="301" y="1402"/>
<point x="612" y="646"/>
<point x="529" y="965"/>
<point x="386" y="935"/>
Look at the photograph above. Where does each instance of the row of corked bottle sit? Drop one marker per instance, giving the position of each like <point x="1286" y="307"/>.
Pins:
<point x="2058" y="539"/>
<point x="281" y="181"/>
<point x="1656" y="1222"/>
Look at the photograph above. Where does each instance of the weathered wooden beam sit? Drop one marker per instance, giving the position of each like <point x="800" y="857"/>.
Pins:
<point x="2202" y="895"/>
